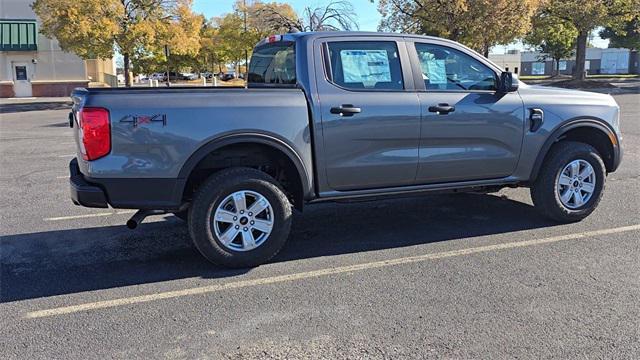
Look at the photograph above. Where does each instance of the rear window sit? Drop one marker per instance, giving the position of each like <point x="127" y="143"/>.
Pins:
<point x="358" y="65"/>
<point x="273" y="64"/>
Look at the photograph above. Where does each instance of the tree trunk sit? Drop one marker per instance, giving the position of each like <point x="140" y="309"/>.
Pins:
<point x="127" y="74"/>
<point x="557" y="67"/>
<point x="581" y="55"/>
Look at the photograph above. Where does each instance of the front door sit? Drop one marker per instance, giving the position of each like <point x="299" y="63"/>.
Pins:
<point x="21" y="80"/>
<point x="370" y="122"/>
<point x="469" y="131"/>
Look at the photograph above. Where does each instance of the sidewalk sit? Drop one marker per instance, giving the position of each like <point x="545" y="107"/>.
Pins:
<point x="613" y="91"/>
<point x="612" y="86"/>
<point x="34" y="100"/>
<point x="11" y="105"/>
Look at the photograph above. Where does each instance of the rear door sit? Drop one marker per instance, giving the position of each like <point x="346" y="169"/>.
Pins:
<point x="370" y="114"/>
<point x="469" y="131"/>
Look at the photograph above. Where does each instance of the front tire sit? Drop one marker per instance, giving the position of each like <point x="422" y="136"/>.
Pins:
<point x="182" y="215"/>
<point x="239" y="218"/>
<point x="571" y="181"/>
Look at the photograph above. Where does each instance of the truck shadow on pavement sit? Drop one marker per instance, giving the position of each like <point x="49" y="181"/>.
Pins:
<point x="72" y="261"/>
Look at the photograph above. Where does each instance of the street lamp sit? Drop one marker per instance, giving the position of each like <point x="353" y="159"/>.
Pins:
<point x="246" y="52"/>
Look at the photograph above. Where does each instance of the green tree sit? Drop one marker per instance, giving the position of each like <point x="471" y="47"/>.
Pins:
<point x="212" y="52"/>
<point x="232" y="41"/>
<point x="554" y="39"/>
<point x="137" y="29"/>
<point x="230" y="38"/>
<point x="586" y="15"/>
<point x="627" y="36"/>
<point x="479" y="24"/>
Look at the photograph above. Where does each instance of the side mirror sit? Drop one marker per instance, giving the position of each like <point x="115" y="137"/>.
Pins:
<point x="508" y="82"/>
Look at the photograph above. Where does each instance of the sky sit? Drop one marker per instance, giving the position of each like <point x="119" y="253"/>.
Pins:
<point x="367" y="13"/>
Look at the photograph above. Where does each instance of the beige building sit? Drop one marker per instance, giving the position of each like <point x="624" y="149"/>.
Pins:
<point x="509" y="61"/>
<point x="34" y="65"/>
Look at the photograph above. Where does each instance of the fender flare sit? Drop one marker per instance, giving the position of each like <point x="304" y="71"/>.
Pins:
<point x="590" y="122"/>
<point x="256" y="138"/>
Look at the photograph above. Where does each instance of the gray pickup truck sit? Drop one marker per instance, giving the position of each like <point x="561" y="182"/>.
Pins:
<point x="338" y="116"/>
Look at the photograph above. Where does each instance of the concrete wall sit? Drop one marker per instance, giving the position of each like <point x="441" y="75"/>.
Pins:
<point x="550" y="66"/>
<point x="45" y="65"/>
<point x="634" y="62"/>
<point x="98" y="70"/>
<point x="16" y="9"/>
<point x="601" y="61"/>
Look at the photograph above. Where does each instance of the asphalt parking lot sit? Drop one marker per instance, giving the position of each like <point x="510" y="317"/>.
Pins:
<point x="441" y="276"/>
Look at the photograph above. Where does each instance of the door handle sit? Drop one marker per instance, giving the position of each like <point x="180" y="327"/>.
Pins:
<point x="345" y="110"/>
<point x="442" y="109"/>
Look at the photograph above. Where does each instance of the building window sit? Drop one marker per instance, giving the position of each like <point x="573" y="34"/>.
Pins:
<point x="537" y="68"/>
<point x="515" y="70"/>
<point x="21" y="73"/>
<point x="562" y="66"/>
<point x="506" y="69"/>
<point x="18" y="35"/>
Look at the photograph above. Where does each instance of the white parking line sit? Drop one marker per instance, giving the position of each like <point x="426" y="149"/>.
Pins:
<point x="317" y="273"/>
<point x="59" y="218"/>
<point x="67" y="155"/>
<point x="62" y="177"/>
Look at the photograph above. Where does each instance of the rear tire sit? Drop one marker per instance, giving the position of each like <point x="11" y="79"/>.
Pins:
<point x="224" y="229"/>
<point x="561" y="191"/>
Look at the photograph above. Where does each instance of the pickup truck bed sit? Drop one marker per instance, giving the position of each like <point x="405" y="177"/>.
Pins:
<point x="150" y="161"/>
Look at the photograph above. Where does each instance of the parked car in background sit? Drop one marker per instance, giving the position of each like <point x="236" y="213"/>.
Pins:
<point x="338" y="116"/>
<point x="189" y="76"/>
<point x="173" y="76"/>
<point x="227" y="76"/>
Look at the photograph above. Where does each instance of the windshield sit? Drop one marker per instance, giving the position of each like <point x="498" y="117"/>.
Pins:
<point x="273" y="64"/>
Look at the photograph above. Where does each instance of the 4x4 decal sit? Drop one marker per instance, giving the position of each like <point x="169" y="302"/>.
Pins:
<point x="144" y="119"/>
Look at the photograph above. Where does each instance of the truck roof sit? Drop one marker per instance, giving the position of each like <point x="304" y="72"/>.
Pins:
<point x="310" y="36"/>
<point x="317" y="34"/>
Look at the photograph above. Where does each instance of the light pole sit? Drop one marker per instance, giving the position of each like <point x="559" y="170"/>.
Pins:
<point x="166" y="54"/>
<point x="246" y="52"/>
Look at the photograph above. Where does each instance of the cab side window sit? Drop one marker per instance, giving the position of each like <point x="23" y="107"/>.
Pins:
<point x="360" y="65"/>
<point x="445" y="68"/>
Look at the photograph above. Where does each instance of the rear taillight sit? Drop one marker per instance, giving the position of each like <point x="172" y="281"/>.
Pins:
<point x="95" y="132"/>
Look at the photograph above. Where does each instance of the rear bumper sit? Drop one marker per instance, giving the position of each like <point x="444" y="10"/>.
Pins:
<point x="82" y="192"/>
<point x="124" y="193"/>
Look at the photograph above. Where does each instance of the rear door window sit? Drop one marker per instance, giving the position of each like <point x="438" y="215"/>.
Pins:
<point x="273" y="64"/>
<point x="361" y="65"/>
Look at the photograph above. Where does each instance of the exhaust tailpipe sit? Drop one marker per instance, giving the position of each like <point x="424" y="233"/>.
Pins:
<point x="140" y="215"/>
